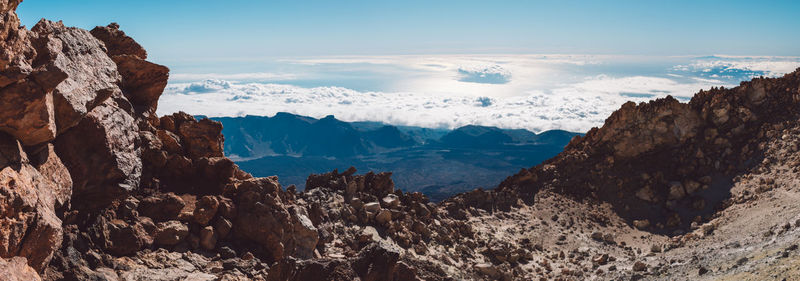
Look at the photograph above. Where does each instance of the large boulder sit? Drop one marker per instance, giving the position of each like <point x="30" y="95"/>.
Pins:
<point x="142" y="81"/>
<point x="262" y="216"/>
<point x="91" y="76"/>
<point x="102" y="155"/>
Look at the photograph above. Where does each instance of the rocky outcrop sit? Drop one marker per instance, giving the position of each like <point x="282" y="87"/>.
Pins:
<point x="31" y="228"/>
<point x="669" y="163"/>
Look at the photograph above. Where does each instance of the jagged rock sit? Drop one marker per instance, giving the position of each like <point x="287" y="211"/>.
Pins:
<point x="102" y="156"/>
<point x="205" y="210"/>
<point x="31" y="228"/>
<point x="17" y="269"/>
<point x="202" y="138"/>
<point x="161" y="207"/>
<point x="290" y="269"/>
<point x="304" y="233"/>
<point x="26" y="112"/>
<point x="122" y="238"/>
<point x="377" y="262"/>
<point x="208" y="238"/>
<point x="223" y="227"/>
<point x="142" y="81"/>
<point x="171" y="233"/>
<point x="262" y="217"/>
<point x="91" y="76"/>
<point x="117" y="43"/>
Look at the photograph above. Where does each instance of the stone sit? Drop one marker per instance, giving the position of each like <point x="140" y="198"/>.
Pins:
<point x="639" y="266"/>
<point x="205" y="209"/>
<point x="17" y="269"/>
<point x="383" y="217"/>
<point x="262" y="217"/>
<point x="391" y="201"/>
<point x="304" y="233"/>
<point x="222" y="226"/>
<point x="26" y="112"/>
<point x="31" y="228"/>
<point x="372" y="207"/>
<point x="73" y="51"/>
<point x="487" y="269"/>
<point x="202" y="138"/>
<point x="208" y="238"/>
<point x="142" y="81"/>
<point x="161" y="207"/>
<point x="117" y="43"/>
<point x="171" y="233"/>
<point x="102" y="156"/>
<point x="122" y="238"/>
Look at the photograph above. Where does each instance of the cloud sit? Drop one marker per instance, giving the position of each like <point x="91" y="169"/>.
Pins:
<point x="493" y="74"/>
<point x="576" y="107"/>
<point x="737" y="68"/>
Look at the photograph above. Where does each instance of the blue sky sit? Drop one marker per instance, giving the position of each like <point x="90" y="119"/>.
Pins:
<point x="191" y="30"/>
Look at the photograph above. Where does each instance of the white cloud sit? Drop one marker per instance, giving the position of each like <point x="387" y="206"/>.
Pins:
<point x="740" y="67"/>
<point x="487" y="74"/>
<point x="576" y="107"/>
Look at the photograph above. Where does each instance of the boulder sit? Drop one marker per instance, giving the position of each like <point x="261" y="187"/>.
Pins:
<point x="91" y="76"/>
<point x="205" y="209"/>
<point x="304" y="233"/>
<point x="117" y="43"/>
<point x="26" y="112"/>
<point x="102" y="156"/>
<point x="142" y="81"/>
<point x="208" y="238"/>
<point x="170" y="233"/>
<point x="162" y="206"/>
<point x="17" y="269"/>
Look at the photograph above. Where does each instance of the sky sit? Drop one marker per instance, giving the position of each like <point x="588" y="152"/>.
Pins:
<point x="536" y="65"/>
<point x="204" y="29"/>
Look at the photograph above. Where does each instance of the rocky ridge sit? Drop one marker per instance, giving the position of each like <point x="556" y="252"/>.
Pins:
<point x="95" y="186"/>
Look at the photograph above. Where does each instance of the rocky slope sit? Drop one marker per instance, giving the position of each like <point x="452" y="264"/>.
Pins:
<point x="94" y="186"/>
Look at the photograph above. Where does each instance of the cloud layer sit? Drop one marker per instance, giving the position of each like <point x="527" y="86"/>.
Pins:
<point x="536" y="93"/>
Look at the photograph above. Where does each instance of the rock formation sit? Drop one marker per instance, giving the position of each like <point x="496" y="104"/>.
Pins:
<point x="95" y="186"/>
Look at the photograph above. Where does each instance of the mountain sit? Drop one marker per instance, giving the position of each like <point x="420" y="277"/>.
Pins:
<point x="458" y="160"/>
<point x="95" y="186"/>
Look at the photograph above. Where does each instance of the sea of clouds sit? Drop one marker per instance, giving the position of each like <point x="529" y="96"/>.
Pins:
<point x="453" y="91"/>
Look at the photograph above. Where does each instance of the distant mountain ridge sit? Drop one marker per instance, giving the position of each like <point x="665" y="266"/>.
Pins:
<point x="287" y="134"/>
<point x="438" y="162"/>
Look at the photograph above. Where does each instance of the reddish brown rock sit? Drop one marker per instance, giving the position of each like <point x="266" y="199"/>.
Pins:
<point x="26" y="112"/>
<point x="161" y="207"/>
<point x="16" y="51"/>
<point x="117" y="42"/>
<point x="102" y="155"/>
<point x="262" y="216"/>
<point x="31" y="228"/>
<point x="17" y="269"/>
<point x="92" y="76"/>
<point x="142" y="81"/>
<point x="202" y="138"/>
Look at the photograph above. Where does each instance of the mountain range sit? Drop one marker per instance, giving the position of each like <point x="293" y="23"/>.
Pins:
<point x="438" y="162"/>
